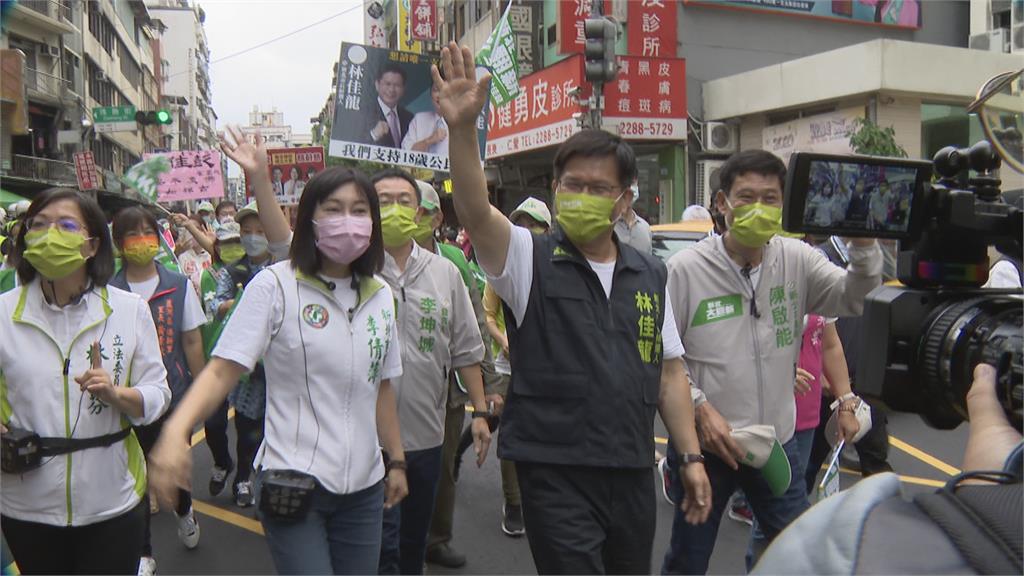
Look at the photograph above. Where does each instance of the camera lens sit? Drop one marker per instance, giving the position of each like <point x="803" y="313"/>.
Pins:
<point x="959" y="336"/>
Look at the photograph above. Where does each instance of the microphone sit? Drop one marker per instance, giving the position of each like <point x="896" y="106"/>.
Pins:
<point x="745" y="271"/>
<point x="330" y="285"/>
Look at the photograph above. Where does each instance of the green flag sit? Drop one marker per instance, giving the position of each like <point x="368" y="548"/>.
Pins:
<point x="499" y="56"/>
<point x="144" y="177"/>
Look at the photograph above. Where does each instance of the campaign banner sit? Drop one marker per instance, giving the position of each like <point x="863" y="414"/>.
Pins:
<point x="647" y="100"/>
<point x="291" y="169"/>
<point x="424" y="19"/>
<point x="387" y="111"/>
<point x="652" y="27"/>
<point x="894" y="13"/>
<point x="541" y="114"/>
<point x="85" y="170"/>
<point x="194" y="175"/>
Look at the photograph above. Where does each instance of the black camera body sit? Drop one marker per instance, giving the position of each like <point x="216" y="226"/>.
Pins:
<point x="20" y="450"/>
<point x="921" y="341"/>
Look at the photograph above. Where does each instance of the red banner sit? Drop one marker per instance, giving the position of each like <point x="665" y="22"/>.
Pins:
<point x="652" y="28"/>
<point x="647" y="100"/>
<point x="290" y="170"/>
<point x="542" y="114"/>
<point x="571" y="14"/>
<point x="85" y="170"/>
<point x="424" y="19"/>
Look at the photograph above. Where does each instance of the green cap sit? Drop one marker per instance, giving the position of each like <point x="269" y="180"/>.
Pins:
<point x="250" y="209"/>
<point x="428" y="196"/>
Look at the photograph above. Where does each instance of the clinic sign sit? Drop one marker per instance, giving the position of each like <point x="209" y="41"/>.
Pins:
<point x="542" y="114"/>
<point x="647" y="100"/>
<point x="824" y="133"/>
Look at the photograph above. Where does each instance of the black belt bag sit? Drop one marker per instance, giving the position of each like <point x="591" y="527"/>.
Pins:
<point x="286" y="494"/>
<point x="23" y="450"/>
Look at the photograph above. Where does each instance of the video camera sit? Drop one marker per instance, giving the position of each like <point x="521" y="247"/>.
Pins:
<point x="921" y="341"/>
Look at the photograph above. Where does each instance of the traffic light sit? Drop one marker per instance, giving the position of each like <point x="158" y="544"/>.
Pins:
<point x="599" y="51"/>
<point x="149" y="117"/>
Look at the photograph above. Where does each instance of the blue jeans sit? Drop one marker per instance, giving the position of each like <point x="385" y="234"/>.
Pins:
<point x="691" y="546"/>
<point x="339" y="535"/>
<point x="404" y="538"/>
<point x="804" y="440"/>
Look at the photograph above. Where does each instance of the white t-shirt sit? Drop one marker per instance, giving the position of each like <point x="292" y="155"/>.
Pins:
<point x="515" y="283"/>
<point x="193" y="315"/>
<point x="1003" y="274"/>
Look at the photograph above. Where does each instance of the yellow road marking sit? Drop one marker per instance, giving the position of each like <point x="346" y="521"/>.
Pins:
<point x="923" y="456"/>
<point x="228" y="516"/>
<point x="907" y="479"/>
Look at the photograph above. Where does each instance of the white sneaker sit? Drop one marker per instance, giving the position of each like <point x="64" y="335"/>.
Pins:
<point x="188" y="530"/>
<point x="147" y="566"/>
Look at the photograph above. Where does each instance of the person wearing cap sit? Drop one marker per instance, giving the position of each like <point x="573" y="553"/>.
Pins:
<point x="594" y="349"/>
<point x="440" y="550"/>
<point x="741" y="299"/>
<point x="439" y="334"/>
<point x="533" y="215"/>
<point x="205" y="211"/>
<point x="695" y="212"/>
<point x="631" y="228"/>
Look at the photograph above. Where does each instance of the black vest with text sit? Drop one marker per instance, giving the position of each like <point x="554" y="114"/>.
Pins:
<point x="586" y="369"/>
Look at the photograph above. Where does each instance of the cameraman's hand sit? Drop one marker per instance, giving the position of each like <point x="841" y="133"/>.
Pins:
<point x="992" y="438"/>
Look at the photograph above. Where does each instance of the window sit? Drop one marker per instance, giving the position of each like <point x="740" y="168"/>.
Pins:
<point x="103" y="152"/>
<point x="947" y="125"/>
<point x="101" y="28"/>
<point x="129" y="68"/>
<point x="482" y="9"/>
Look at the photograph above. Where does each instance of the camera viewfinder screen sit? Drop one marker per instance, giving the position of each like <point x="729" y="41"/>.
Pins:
<point x="853" y="196"/>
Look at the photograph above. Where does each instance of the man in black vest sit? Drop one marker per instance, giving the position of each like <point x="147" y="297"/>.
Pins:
<point x="593" y="348"/>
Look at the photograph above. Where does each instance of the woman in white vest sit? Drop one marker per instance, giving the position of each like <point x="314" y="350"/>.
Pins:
<point x="79" y="364"/>
<point x="324" y="326"/>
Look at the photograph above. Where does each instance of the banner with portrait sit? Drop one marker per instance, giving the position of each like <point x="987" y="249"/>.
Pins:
<point x="386" y="110"/>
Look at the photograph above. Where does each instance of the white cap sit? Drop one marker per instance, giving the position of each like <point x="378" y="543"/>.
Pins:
<point x="428" y="196"/>
<point x="764" y="452"/>
<point x="534" y="209"/>
<point x="696" y="212"/>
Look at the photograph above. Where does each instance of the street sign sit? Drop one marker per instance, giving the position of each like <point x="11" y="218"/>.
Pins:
<point x="114" y="119"/>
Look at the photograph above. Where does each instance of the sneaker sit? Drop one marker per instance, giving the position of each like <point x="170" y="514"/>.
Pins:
<point x="243" y="494"/>
<point x="147" y="566"/>
<point x="445" y="556"/>
<point x="188" y="530"/>
<point x="665" y="483"/>
<point x="740" y="511"/>
<point x="512" y="520"/>
<point x="219" y="479"/>
<point x="154" y="506"/>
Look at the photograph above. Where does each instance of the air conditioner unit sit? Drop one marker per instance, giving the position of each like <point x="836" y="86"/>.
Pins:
<point x="707" y="181"/>
<point x="997" y="40"/>
<point x="1017" y="39"/>
<point x="54" y="51"/>
<point x="720" y="137"/>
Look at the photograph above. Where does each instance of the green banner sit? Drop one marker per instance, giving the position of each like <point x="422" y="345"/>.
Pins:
<point x="498" y="55"/>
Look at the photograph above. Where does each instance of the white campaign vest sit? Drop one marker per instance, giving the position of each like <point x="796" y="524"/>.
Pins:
<point x="39" y="394"/>
<point x="323" y="369"/>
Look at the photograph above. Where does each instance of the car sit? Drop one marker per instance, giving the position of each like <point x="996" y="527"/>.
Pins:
<point x="671" y="238"/>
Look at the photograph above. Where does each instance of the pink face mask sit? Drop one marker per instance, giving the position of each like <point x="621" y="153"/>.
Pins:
<point x="343" y="239"/>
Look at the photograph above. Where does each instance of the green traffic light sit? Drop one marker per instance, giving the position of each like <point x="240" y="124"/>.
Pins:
<point x="163" y="117"/>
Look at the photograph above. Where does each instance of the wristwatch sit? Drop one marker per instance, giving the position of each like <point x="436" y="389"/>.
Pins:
<point x="479" y="414"/>
<point x="689" y="458"/>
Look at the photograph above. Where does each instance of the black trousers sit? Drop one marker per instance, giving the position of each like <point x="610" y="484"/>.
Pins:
<point x="587" y="520"/>
<point x="148" y="435"/>
<point x="109" y="547"/>
<point x="872" y="449"/>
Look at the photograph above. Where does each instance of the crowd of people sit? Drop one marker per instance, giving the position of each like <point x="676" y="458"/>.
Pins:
<point x="351" y="344"/>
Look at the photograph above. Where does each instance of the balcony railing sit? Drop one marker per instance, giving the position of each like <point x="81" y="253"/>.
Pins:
<point x="47" y="84"/>
<point x="56" y="9"/>
<point x="43" y="170"/>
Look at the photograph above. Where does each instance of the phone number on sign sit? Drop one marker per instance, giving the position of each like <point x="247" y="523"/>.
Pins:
<point x="646" y="129"/>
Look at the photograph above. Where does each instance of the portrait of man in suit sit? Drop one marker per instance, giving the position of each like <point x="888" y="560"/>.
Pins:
<point x="387" y="122"/>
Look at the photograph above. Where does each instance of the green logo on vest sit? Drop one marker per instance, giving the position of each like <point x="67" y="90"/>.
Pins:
<point x="559" y="251"/>
<point x="715" y="309"/>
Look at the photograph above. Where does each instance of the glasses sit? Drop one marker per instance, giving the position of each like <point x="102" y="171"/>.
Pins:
<point x="65" y="224"/>
<point x="573" y="186"/>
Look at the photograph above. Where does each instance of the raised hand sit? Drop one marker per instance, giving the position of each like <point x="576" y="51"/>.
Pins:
<point x="462" y="96"/>
<point x="249" y="153"/>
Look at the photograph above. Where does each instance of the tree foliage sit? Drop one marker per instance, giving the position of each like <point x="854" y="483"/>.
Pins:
<point x="870" y="138"/>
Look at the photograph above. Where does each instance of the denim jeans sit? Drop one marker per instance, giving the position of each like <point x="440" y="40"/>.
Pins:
<point x="804" y="440"/>
<point x="339" y="535"/>
<point x="404" y="537"/>
<point x="691" y="546"/>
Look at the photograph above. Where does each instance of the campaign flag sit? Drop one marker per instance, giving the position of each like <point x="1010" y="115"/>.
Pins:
<point x="499" y="55"/>
<point x="144" y="177"/>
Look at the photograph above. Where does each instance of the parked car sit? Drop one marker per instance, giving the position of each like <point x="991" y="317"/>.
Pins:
<point x="671" y="238"/>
